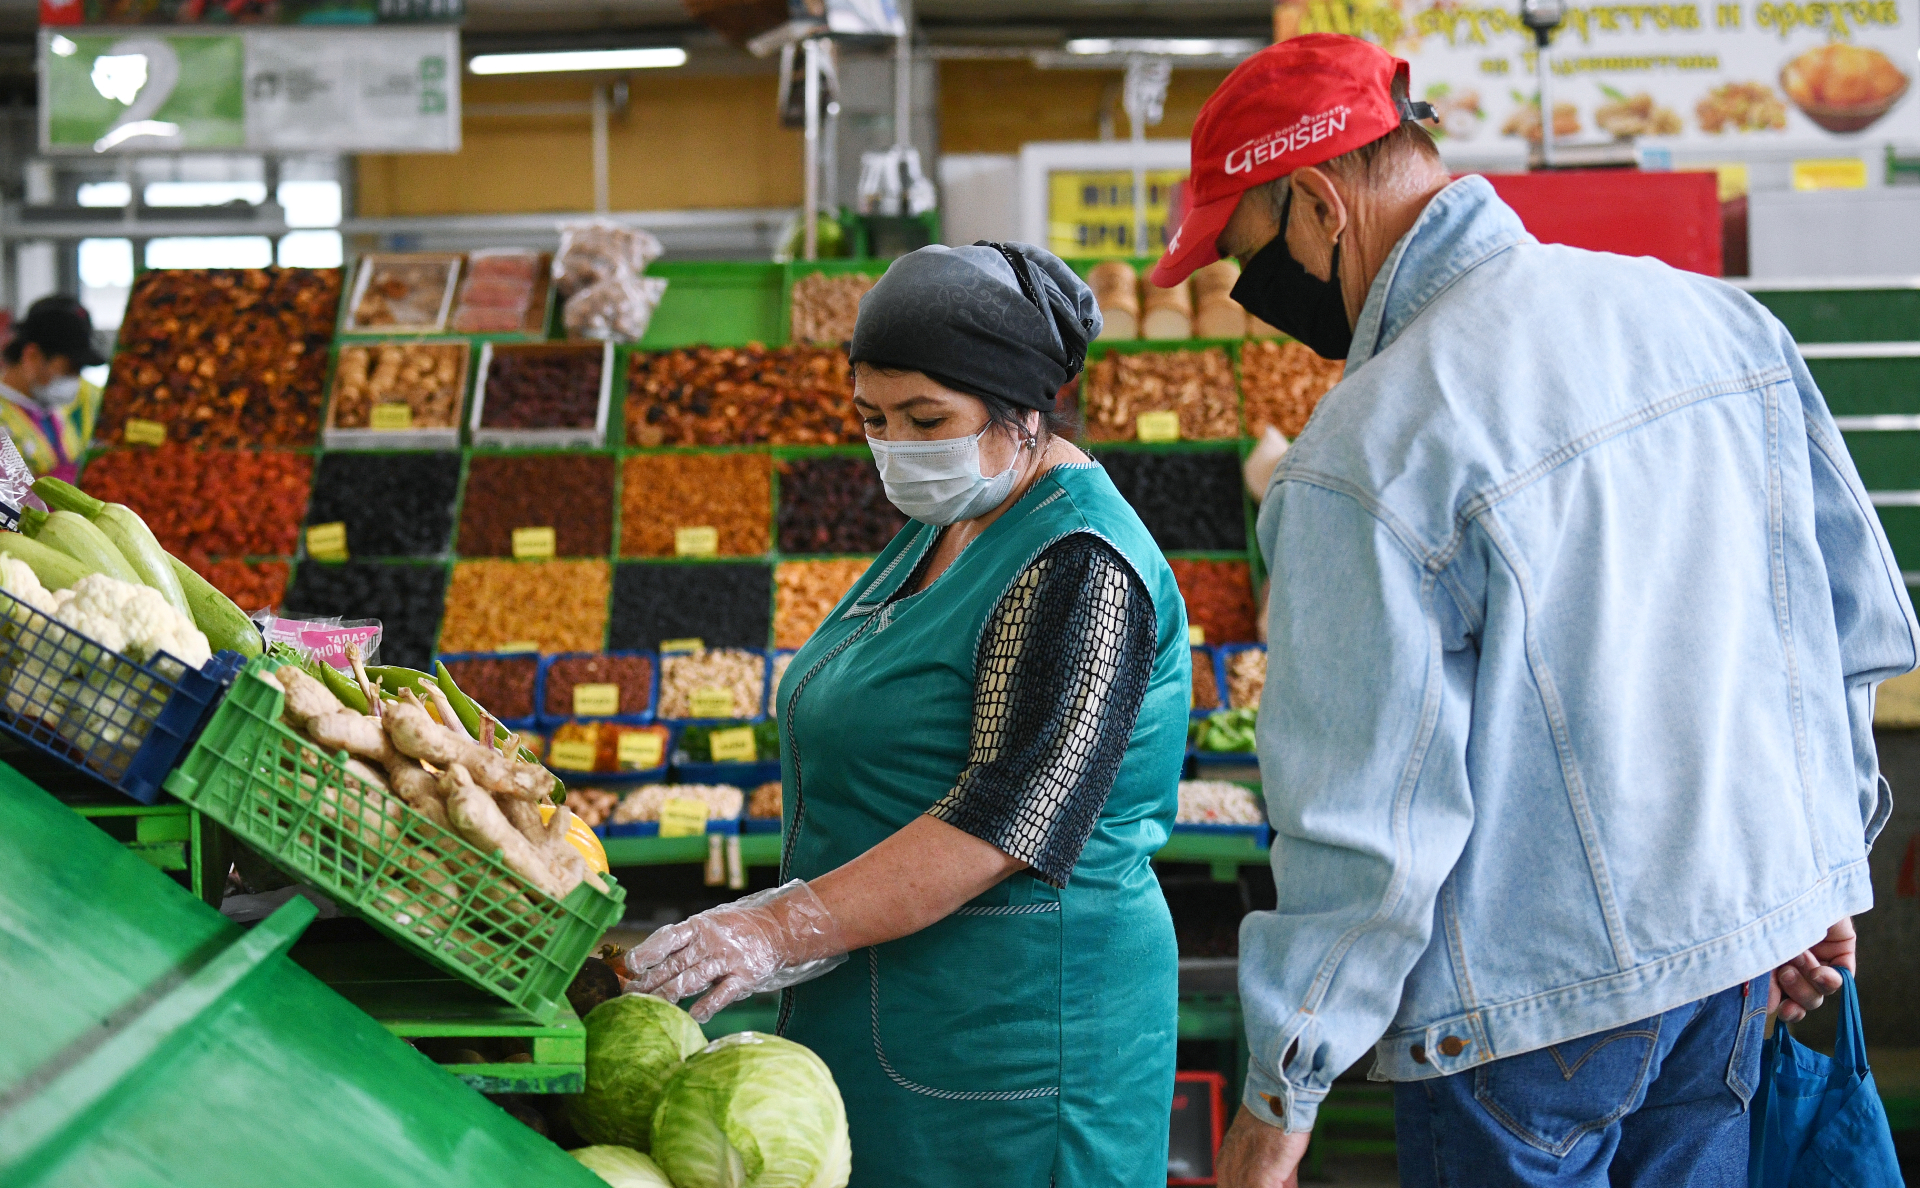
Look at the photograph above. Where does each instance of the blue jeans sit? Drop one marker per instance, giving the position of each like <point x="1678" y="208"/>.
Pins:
<point x="1659" y="1102"/>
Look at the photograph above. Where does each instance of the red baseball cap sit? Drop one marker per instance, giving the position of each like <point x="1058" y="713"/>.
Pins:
<point x="1299" y="103"/>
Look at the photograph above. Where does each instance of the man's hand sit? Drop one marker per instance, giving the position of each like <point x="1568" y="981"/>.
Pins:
<point x="1256" y="1155"/>
<point x="1803" y="983"/>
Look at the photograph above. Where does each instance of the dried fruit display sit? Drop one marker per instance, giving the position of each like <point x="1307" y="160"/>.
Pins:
<point x="542" y="386"/>
<point x="723" y="801"/>
<point x="252" y="586"/>
<point x="406" y="598"/>
<point x="663" y="493"/>
<point x="1219" y="598"/>
<point x="633" y="675"/>
<point x="1196" y="385"/>
<point x="805" y="592"/>
<point x="225" y="504"/>
<point x="741" y="673"/>
<point x="724" y="603"/>
<point x="792" y="395"/>
<point x="502" y="684"/>
<point x="592" y="805"/>
<point x="1206" y="688"/>
<point x="835" y="505"/>
<point x="224" y="357"/>
<point x="571" y="493"/>
<point x="1187" y="500"/>
<point x="505" y="292"/>
<point x="604" y="738"/>
<point x="394" y="505"/>
<point x="825" y="307"/>
<point x="428" y="378"/>
<point x="1246" y="677"/>
<point x="407" y="292"/>
<point x="1283" y="382"/>
<point x="764" y="802"/>
<point x="558" y="606"/>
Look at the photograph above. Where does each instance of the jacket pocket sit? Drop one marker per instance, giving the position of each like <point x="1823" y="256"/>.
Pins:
<point x="969" y="1009"/>
<point x="1551" y="1097"/>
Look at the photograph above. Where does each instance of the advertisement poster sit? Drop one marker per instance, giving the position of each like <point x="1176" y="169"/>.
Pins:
<point x="1727" y="76"/>
<point x="142" y="92"/>
<point x="1090" y="211"/>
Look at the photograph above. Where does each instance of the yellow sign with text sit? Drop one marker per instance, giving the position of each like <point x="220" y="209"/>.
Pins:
<point x="327" y="542"/>
<point x="1158" y="426"/>
<point x="696" y="542"/>
<point x="595" y="701"/>
<point x="641" y="750"/>
<point x="712" y="701"/>
<point x="734" y="746"/>
<point x="1838" y="173"/>
<point x="573" y="756"/>
<point x="391" y="416"/>
<point x="683" y="817"/>
<point x="532" y="544"/>
<point x="139" y="432"/>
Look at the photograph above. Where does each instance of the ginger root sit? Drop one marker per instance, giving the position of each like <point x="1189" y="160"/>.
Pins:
<point x="307" y="698"/>
<point x="477" y="818"/>
<point x="416" y="733"/>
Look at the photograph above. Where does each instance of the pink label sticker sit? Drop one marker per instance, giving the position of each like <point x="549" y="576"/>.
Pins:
<point x="329" y="644"/>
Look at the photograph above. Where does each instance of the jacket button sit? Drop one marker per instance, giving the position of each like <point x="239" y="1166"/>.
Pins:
<point x="1419" y="1053"/>
<point x="1453" y="1045"/>
<point x="1274" y="1103"/>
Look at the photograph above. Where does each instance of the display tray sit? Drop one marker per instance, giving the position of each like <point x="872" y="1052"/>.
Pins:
<point x="759" y="824"/>
<point x="638" y="775"/>
<point x="760" y="711"/>
<point x="592" y="436"/>
<point x="423" y="282"/>
<point x="1224" y="655"/>
<point x="535" y="316"/>
<point x="519" y="725"/>
<point x="744" y="776"/>
<point x="723" y="826"/>
<point x="446" y="436"/>
<point x="642" y="718"/>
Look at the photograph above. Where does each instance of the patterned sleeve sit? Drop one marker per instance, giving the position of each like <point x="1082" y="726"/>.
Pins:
<point x="1063" y="667"/>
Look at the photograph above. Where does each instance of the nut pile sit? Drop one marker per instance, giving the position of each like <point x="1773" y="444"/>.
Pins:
<point x="604" y="738"/>
<point x="1217" y="802"/>
<point x="570" y="493"/>
<point x="502" y="684"/>
<point x="1206" y="689"/>
<point x="1198" y="385"/>
<point x="394" y="505"/>
<point x="805" y="593"/>
<point x="592" y="805"/>
<point x="662" y="493"/>
<point x="825" y="307"/>
<point x="741" y="673"/>
<point x="240" y="504"/>
<point x="224" y="357"/>
<point x="1186" y="500"/>
<point x="1219" y="598"/>
<point x="726" y="604"/>
<point x="256" y="586"/>
<point x="405" y="598"/>
<point x="542" y="387"/>
<point x="835" y="505"/>
<point x="1246" y="678"/>
<point x="723" y="801"/>
<point x="634" y="675"/>
<point x="1283" y="381"/>
<point x="426" y="377"/>
<point x="792" y="395"/>
<point x="764" y="801"/>
<point x="403" y="292"/>
<point x="559" y="606"/>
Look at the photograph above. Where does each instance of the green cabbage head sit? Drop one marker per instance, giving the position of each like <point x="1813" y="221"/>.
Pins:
<point x="622" y="1167"/>
<point x="633" y="1042"/>
<point x="752" y="1111"/>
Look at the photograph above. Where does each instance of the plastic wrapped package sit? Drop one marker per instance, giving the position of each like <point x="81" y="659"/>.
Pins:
<point x="617" y="309"/>
<point x="598" y="250"/>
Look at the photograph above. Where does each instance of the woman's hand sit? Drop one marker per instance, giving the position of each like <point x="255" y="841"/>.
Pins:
<point x="765" y="941"/>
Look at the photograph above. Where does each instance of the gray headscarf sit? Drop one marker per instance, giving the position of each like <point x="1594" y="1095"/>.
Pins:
<point x="1007" y="320"/>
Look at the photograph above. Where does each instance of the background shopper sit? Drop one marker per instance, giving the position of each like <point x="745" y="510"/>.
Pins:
<point x="45" y="406"/>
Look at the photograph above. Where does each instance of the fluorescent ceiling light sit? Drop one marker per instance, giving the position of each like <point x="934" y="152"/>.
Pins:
<point x="616" y="59"/>
<point x="1168" y="46"/>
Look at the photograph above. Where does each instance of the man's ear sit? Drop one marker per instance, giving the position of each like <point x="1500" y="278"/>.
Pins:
<point x="1316" y="197"/>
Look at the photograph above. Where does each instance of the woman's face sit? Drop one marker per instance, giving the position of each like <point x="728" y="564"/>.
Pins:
<point x="910" y="406"/>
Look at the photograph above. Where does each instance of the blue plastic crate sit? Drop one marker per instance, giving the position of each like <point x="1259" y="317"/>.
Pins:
<point x="118" y="720"/>
<point x="518" y="725"/>
<point x="640" y="719"/>
<point x="760" y="712"/>
<point x="723" y="826"/>
<point x="741" y="775"/>
<point x="1223" y="656"/>
<point x="759" y="824"/>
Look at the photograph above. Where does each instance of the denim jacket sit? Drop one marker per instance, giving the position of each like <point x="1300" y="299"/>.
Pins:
<point x="1578" y="609"/>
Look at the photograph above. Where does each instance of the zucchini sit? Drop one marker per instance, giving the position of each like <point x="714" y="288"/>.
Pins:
<point x="225" y="625"/>
<point x="55" y="569"/>
<point x="75" y="535"/>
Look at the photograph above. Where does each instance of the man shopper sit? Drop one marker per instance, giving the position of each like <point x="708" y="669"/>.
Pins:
<point x="45" y="406"/>
<point x="1578" y="608"/>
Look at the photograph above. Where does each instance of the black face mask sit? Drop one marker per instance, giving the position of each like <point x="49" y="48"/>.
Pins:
<point x="1276" y="289"/>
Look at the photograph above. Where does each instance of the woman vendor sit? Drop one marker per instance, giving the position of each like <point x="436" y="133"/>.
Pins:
<point x="980" y="749"/>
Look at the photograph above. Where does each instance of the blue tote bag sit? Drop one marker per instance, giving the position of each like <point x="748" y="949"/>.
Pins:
<point x="1817" y="1120"/>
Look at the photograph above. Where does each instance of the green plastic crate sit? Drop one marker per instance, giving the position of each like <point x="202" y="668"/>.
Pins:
<point x="717" y="304"/>
<point x="419" y="883"/>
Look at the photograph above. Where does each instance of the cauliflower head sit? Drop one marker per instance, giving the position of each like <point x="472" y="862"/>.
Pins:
<point x="18" y="579"/>
<point x="135" y="620"/>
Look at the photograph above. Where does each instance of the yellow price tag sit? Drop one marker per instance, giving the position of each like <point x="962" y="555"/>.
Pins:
<point x="683" y="817"/>
<point x="669" y="647"/>
<point x="532" y="543"/>
<point x="1158" y="426"/>
<point x="1196" y="636"/>
<point x="519" y="645"/>
<point x="1838" y="173"/>
<point x="734" y="746"/>
<point x="573" y="756"/>
<point x="595" y="701"/>
<point x="391" y="416"/>
<point x="712" y="702"/>
<point x="641" y="750"/>
<point x="327" y="542"/>
<point x="139" y="432"/>
<point x="696" y="542"/>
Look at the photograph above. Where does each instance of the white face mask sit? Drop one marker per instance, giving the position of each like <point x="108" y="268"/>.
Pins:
<point x="939" y="482"/>
<point x="57" y="392"/>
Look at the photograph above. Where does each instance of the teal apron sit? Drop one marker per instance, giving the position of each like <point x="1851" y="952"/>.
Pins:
<point x="1027" y="1039"/>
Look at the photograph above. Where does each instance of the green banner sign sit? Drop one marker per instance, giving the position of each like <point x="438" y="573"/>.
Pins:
<point x="143" y="92"/>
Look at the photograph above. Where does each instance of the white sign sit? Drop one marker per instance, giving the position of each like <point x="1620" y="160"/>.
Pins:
<point x="385" y="90"/>
<point x="1733" y="76"/>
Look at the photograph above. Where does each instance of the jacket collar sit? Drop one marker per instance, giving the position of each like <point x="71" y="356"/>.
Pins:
<point x="1465" y="225"/>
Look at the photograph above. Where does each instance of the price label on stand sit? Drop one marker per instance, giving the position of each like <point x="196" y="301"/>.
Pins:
<point x="1158" y="426"/>
<point x="595" y="701"/>
<point x="734" y="746"/>
<point x="139" y="432"/>
<point x="519" y="645"/>
<point x="1196" y="636"/>
<point x="670" y="647"/>
<point x="641" y="750"/>
<point x="573" y="756"/>
<point x="532" y="544"/>
<point x="683" y="816"/>
<point x="392" y="416"/>
<point x="327" y="542"/>
<point x="711" y="701"/>
<point x="696" y="542"/>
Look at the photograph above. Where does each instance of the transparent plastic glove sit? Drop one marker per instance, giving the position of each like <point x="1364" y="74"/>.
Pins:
<point x="765" y="941"/>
